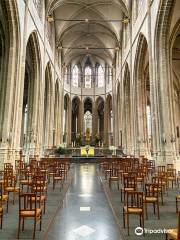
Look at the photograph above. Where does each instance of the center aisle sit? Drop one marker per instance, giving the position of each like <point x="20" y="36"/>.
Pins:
<point x="86" y="213"/>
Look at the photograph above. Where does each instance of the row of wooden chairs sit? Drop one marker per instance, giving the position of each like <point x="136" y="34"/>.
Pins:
<point x="141" y="182"/>
<point x="34" y="179"/>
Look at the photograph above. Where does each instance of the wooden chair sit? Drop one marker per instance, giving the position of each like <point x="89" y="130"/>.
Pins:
<point x="171" y="177"/>
<point x="40" y="189"/>
<point x="28" y="209"/>
<point x="114" y="176"/>
<point x="58" y="177"/>
<point x="10" y="186"/>
<point x="25" y="179"/>
<point x="1" y="202"/>
<point x="129" y="184"/>
<point x="174" y="233"/>
<point x="151" y="196"/>
<point x="161" y="186"/>
<point x="4" y="198"/>
<point x="133" y="206"/>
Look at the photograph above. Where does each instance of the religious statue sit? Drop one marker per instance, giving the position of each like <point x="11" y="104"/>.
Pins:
<point x="88" y="136"/>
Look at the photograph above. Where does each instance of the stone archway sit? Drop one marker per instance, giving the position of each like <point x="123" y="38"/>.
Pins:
<point x="67" y="120"/>
<point x="100" y="106"/>
<point x="76" y="121"/>
<point x="9" y="56"/>
<point x="57" y="115"/>
<point x="175" y="74"/>
<point x="142" y="119"/>
<point x="47" y="124"/>
<point x="108" y="121"/>
<point x="29" y="123"/>
<point x="165" y="122"/>
<point x="126" y="114"/>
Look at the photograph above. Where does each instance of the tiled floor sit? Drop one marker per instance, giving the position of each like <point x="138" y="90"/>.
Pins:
<point x="86" y="213"/>
<point x="168" y="217"/>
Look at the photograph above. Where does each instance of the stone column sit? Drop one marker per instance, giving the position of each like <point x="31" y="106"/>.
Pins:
<point x="69" y="122"/>
<point x="81" y="118"/>
<point x="106" y="124"/>
<point x="94" y="119"/>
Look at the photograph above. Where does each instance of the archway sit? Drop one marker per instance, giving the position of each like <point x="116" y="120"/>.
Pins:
<point x="29" y="124"/>
<point x="143" y="133"/>
<point x="67" y="120"/>
<point x="109" y="119"/>
<point x="88" y="124"/>
<point x="9" y="56"/>
<point x="100" y="118"/>
<point x="126" y="116"/>
<point x="175" y="72"/>
<point x="57" y="115"/>
<point x="47" y="107"/>
<point x="75" y="129"/>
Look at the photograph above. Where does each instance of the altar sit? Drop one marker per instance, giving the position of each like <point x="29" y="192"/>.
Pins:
<point x="87" y="151"/>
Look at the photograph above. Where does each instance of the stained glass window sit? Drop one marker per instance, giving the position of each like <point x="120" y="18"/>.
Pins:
<point x="75" y="76"/>
<point x="88" y="121"/>
<point x="100" y="76"/>
<point x="88" y="77"/>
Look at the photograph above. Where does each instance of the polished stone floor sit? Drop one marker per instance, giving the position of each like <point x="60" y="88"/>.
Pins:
<point x="86" y="213"/>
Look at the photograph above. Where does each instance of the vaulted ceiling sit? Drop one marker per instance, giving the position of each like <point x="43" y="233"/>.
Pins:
<point x="88" y="28"/>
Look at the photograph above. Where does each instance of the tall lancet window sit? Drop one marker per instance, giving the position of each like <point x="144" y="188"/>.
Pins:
<point x="88" y="77"/>
<point x="100" y="76"/>
<point x="75" y="76"/>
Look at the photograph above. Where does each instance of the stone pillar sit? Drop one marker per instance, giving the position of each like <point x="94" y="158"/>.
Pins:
<point x="106" y="120"/>
<point x="94" y="119"/>
<point x="81" y="118"/>
<point x="69" y="122"/>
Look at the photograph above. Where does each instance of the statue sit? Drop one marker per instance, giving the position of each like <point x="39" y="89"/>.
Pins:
<point x="88" y="136"/>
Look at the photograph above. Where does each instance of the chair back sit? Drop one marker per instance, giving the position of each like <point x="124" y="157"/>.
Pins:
<point x="27" y="202"/>
<point x="129" y="182"/>
<point x="151" y="190"/>
<point x="134" y="200"/>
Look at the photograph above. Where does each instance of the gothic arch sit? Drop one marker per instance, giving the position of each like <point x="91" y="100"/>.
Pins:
<point x="9" y="56"/>
<point x="126" y="114"/>
<point x="57" y="114"/>
<point x="142" y="123"/>
<point x="163" y="76"/>
<point x="31" y="92"/>
<point x="48" y="89"/>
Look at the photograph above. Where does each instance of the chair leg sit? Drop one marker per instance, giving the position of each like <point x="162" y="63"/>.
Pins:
<point x="7" y="205"/>
<point x="19" y="226"/>
<point x="1" y="220"/>
<point x="34" y="228"/>
<point x="176" y="205"/>
<point x="40" y="226"/>
<point x="124" y="220"/>
<point x="44" y="206"/>
<point x="158" y="210"/>
<point x="128" y="222"/>
<point x="146" y="210"/>
<point x="23" y="225"/>
<point x="154" y="208"/>
<point x="143" y="222"/>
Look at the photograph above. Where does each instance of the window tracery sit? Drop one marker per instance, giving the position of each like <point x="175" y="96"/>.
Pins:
<point x="88" y="77"/>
